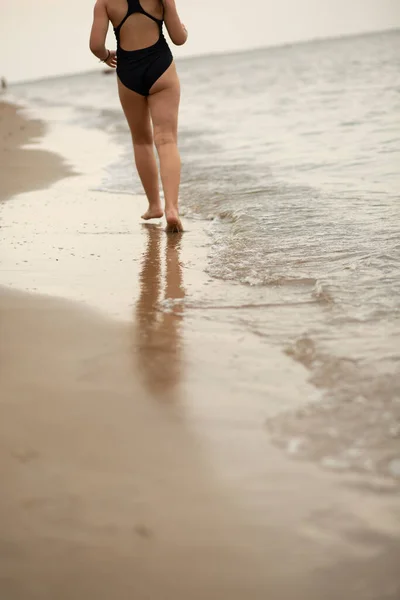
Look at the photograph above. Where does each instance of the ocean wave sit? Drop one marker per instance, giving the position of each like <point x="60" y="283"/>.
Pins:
<point x="354" y="426"/>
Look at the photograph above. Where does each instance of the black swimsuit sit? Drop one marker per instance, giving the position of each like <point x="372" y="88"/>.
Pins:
<point x="138" y="70"/>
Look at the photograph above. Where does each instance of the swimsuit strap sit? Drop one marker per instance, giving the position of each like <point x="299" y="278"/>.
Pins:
<point x="134" y="6"/>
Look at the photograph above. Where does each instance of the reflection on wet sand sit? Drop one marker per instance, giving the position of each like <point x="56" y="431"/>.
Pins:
<point x="159" y="312"/>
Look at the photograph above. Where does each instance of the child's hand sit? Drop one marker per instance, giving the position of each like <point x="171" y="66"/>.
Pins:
<point x="112" y="59"/>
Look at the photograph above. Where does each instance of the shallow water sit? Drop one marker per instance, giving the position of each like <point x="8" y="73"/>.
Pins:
<point x="291" y="157"/>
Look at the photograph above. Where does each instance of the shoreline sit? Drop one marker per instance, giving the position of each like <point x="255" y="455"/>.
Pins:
<point x="39" y="167"/>
<point x="134" y="454"/>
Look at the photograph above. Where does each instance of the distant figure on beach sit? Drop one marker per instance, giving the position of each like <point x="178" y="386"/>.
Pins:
<point x="3" y="83"/>
<point x="149" y="90"/>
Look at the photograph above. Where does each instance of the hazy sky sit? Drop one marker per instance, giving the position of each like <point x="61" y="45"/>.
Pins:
<point x="50" y="37"/>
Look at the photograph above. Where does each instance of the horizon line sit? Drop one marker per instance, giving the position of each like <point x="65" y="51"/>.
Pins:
<point x="300" y="42"/>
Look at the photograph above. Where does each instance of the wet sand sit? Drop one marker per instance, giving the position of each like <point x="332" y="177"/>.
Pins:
<point x="134" y="457"/>
<point x="23" y="167"/>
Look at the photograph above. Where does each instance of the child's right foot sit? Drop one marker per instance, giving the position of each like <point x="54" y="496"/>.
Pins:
<point x="174" y="224"/>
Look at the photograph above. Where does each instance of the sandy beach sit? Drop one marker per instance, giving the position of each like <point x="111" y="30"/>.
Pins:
<point x="23" y="168"/>
<point x="135" y="458"/>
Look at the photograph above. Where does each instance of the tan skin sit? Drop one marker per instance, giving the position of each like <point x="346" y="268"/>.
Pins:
<point x="153" y="120"/>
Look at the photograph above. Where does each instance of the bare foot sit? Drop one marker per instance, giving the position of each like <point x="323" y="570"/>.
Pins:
<point x="174" y="224"/>
<point x="153" y="213"/>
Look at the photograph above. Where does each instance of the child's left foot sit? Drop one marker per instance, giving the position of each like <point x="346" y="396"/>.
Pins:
<point x="153" y="213"/>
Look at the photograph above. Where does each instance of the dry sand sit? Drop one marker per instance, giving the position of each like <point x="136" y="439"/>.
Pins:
<point x="134" y="458"/>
